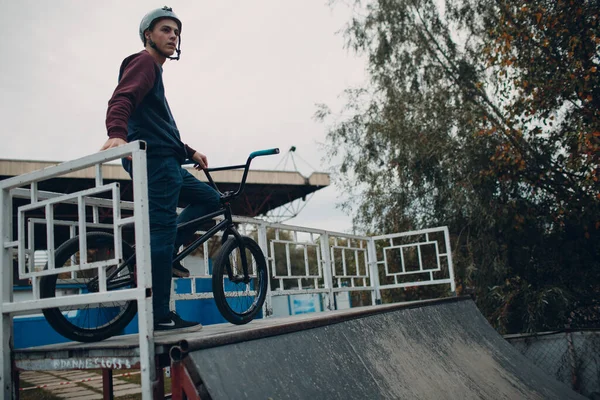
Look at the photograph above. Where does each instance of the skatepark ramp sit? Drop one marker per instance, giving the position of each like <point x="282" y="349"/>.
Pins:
<point x="441" y="349"/>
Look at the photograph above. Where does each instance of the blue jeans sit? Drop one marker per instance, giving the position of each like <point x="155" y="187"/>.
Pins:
<point x="167" y="184"/>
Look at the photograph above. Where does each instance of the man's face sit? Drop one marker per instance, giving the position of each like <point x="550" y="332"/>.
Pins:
<point x="165" y="35"/>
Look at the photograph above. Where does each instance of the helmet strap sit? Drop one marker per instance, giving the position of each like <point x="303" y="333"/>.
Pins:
<point x="177" y="50"/>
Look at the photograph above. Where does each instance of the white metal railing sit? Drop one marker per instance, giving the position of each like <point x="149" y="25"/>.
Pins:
<point x="313" y="261"/>
<point x="25" y="189"/>
<point x="416" y="258"/>
<point x="300" y="260"/>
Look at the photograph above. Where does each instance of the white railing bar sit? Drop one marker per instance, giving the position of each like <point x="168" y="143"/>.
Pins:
<point x="99" y="178"/>
<point x="352" y="289"/>
<point x="422" y="283"/>
<point x="72" y="300"/>
<point x="30" y="247"/>
<point x="116" y="197"/>
<point x="354" y="276"/>
<point x="76" y="267"/>
<point x="284" y="227"/>
<point x="81" y="217"/>
<point x="8" y="245"/>
<point x="44" y="195"/>
<point x="144" y="271"/>
<point x="95" y="214"/>
<point x="75" y="196"/>
<point x="50" y="235"/>
<point x="402" y="260"/>
<point x="351" y="248"/>
<point x="193" y="286"/>
<point x="205" y="251"/>
<point x="306" y="269"/>
<point x="287" y="259"/>
<point x="34" y="192"/>
<point x="407" y="273"/>
<point x="295" y="242"/>
<point x="21" y="240"/>
<point x="70" y="166"/>
<point x="125" y="221"/>
<point x="35" y="287"/>
<point x="193" y="296"/>
<point x="61" y="222"/>
<point x="72" y="234"/>
<point x="415" y="244"/>
<point x="297" y="276"/>
<point x="450" y="264"/>
<point x="409" y="233"/>
<point x="296" y="291"/>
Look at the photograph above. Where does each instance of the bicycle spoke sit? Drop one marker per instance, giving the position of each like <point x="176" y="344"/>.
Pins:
<point x="89" y="321"/>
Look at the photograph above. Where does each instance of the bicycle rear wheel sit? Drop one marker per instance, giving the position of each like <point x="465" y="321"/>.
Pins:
<point x="89" y="322"/>
<point x="238" y="301"/>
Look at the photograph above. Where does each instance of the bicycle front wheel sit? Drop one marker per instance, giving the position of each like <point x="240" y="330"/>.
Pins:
<point x="89" y="322"/>
<point x="239" y="299"/>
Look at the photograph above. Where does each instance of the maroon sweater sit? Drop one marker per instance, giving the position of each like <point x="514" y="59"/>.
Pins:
<point x="138" y="109"/>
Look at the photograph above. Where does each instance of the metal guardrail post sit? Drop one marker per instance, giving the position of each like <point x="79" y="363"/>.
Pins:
<point x="450" y="264"/>
<point x="374" y="272"/>
<point x="264" y="246"/>
<point x="144" y="271"/>
<point x="327" y="270"/>
<point x="6" y="295"/>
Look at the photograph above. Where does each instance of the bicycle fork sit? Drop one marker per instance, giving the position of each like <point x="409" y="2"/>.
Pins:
<point x="240" y="242"/>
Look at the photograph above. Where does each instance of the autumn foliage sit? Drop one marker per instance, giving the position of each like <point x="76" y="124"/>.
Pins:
<point x="483" y="115"/>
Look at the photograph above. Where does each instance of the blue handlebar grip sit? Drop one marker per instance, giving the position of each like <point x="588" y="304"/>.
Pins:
<point x="267" y="152"/>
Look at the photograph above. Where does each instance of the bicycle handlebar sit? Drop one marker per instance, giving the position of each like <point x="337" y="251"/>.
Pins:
<point x="254" y="154"/>
<point x="267" y="152"/>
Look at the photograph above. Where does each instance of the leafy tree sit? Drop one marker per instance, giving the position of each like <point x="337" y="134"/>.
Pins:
<point x="483" y="115"/>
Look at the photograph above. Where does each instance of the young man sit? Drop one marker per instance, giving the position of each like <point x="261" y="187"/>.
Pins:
<point x="138" y="110"/>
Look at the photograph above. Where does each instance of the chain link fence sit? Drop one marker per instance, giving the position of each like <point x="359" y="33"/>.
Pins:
<point x="572" y="357"/>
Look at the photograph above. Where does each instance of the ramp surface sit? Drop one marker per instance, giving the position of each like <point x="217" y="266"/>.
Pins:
<point x="437" y="350"/>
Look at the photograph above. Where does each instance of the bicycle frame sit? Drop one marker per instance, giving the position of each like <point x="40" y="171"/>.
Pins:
<point x="227" y="225"/>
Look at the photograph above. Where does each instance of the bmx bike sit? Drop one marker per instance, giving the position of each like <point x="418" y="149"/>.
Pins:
<point x="239" y="275"/>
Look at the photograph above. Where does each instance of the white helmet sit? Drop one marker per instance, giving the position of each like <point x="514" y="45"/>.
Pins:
<point x="153" y="16"/>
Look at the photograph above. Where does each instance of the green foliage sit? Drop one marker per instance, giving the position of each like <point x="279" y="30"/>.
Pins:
<point x="483" y="115"/>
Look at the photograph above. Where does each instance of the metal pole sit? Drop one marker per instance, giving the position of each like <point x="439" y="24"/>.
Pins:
<point x="264" y="246"/>
<point x="327" y="270"/>
<point x="6" y="295"/>
<point x="374" y="271"/>
<point x="144" y="271"/>
<point x="107" y="384"/>
<point x="449" y="257"/>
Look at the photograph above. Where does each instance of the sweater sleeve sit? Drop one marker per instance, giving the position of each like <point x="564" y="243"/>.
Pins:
<point x="138" y="74"/>
<point x="189" y="151"/>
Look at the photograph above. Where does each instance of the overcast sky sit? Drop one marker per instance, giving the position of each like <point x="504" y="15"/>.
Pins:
<point x="250" y="75"/>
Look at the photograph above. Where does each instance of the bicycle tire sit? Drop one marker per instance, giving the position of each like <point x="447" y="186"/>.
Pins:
<point x="68" y="326"/>
<point x="229" y="304"/>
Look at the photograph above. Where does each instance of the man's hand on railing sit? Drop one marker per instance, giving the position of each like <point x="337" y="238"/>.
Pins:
<point x="113" y="142"/>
